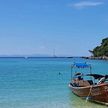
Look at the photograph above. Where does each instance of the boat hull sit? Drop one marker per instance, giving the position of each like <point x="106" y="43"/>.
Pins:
<point x="98" y="93"/>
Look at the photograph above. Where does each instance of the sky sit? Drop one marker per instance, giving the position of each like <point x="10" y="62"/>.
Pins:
<point x="70" y="27"/>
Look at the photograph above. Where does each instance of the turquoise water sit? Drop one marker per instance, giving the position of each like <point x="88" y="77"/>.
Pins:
<point x="36" y="83"/>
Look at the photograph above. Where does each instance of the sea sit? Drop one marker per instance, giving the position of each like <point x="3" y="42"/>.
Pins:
<point x="42" y="82"/>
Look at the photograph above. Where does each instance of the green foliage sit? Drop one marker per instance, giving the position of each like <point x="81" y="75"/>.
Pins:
<point x="101" y="50"/>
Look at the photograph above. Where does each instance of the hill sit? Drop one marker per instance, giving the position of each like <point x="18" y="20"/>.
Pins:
<point x="102" y="50"/>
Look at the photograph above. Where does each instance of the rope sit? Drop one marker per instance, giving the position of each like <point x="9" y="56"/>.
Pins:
<point x="87" y="98"/>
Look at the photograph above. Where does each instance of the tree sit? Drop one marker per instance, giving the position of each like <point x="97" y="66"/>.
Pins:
<point x="101" y="50"/>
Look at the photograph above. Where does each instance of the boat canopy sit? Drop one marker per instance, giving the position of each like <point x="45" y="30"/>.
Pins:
<point x="81" y="65"/>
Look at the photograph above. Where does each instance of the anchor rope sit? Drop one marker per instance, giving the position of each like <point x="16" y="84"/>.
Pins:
<point x="89" y="94"/>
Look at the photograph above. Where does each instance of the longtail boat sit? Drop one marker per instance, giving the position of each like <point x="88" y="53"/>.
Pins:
<point x="90" y="86"/>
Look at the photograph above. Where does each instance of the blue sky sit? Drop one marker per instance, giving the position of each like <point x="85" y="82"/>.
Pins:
<point x="71" y="27"/>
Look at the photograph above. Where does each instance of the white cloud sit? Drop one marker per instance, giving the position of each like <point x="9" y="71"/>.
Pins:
<point x="84" y="4"/>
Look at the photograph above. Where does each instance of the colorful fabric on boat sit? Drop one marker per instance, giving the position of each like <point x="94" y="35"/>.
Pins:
<point x="81" y="65"/>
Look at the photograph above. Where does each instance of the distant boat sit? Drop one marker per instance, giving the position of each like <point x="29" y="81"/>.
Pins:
<point x="87" y="88"/>
<point x="54" y="53"/>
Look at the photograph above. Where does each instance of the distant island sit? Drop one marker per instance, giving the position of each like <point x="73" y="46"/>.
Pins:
<point x="100" y="52"/>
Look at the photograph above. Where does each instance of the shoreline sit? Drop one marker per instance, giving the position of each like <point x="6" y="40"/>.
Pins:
<point x="96" y="58"/>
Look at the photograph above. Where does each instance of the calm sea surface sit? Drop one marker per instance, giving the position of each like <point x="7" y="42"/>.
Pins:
<point x="36" y="83"/>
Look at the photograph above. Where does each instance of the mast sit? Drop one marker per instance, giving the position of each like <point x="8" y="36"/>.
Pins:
<point x="54" y="55"/>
